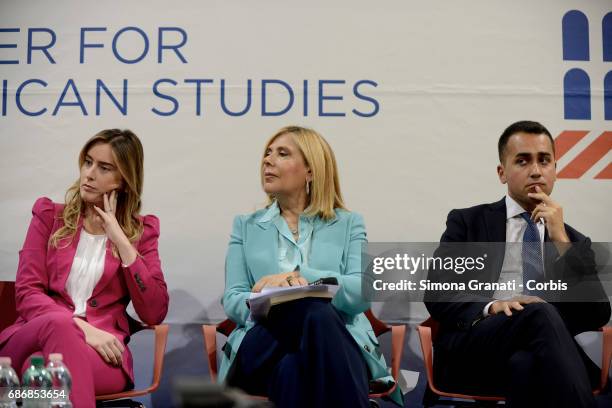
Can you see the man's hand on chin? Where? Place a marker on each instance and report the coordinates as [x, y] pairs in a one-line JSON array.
[[551, 213]]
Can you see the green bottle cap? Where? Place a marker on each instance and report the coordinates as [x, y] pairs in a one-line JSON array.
[[37, 361]]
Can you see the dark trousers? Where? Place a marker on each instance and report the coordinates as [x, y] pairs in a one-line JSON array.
[[302, 356], [530, 358]]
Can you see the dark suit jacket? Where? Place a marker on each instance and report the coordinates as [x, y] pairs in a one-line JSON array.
[[487, 223]]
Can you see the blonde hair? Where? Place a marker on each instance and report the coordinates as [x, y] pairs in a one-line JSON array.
[[325, 195], [128, 154]]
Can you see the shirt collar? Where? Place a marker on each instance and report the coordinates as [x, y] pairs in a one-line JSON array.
[[512, 208], [272, 212]]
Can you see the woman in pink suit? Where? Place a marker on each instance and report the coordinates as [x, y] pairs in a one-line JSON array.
[[82, 263]]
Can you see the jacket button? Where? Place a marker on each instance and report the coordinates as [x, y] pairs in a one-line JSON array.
[[460, 324], [93, 303], [366, 348]]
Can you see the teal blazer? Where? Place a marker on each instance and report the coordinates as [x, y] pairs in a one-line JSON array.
[[335, 252]]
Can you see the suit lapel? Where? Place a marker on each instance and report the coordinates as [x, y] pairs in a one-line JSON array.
[[262, 257], [65, 257], [495, 219], [495, 227], [550, 253], [320, 223], [111, 266], [324, 249]]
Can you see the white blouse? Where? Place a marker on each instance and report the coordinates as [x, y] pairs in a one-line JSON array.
[[86, 271]]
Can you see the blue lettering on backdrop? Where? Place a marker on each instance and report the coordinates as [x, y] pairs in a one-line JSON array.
[[18, 97], [122, 107], [132, 44], [248, 103], [175, 103], [78, 102], [365, 98], [175, 47], [277, 92], [4, 95], [82, 44], [5, 46], [198, 83], [322, 97], [264, 87], [145, 45], [43, 48]]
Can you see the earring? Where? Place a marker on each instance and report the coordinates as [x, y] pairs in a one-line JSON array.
[[307, 187]]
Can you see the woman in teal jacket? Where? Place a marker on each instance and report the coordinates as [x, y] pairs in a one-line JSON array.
[[308, 352]]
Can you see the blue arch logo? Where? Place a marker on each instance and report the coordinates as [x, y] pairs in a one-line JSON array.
[[576, 82], [577, 103]]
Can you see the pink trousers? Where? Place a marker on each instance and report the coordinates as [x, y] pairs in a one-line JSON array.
[[58, 333]]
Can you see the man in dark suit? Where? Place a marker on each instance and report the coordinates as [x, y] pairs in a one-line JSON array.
[[520, 345]]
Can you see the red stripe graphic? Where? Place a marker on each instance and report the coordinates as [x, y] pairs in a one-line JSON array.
[[605, 173], [588, 158], [568, 139]]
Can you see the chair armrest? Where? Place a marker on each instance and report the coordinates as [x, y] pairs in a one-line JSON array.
[[398, 336], [606, 355], [427, 350], [161, 339], [210, 346]]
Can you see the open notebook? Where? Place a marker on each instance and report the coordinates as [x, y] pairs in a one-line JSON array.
[[260, 303]]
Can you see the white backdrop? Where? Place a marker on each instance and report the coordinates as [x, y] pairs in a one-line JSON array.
[[450, 77]]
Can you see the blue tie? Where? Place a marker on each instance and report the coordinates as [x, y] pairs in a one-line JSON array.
[[533, 267]]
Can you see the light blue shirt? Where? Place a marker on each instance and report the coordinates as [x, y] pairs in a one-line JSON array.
[[291, 254]]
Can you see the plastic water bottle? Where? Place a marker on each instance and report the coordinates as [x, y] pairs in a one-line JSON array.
[[36, 384], [9, 384], [61, 381]]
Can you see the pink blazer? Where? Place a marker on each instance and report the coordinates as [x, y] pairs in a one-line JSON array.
[[40, 286]]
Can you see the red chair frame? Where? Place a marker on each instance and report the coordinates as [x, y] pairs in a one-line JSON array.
[[428, 331], [7, 304], [161, 339], [9, 316]]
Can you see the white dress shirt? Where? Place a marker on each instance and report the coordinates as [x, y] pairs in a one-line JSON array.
[[86, 270], [512, 268]]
